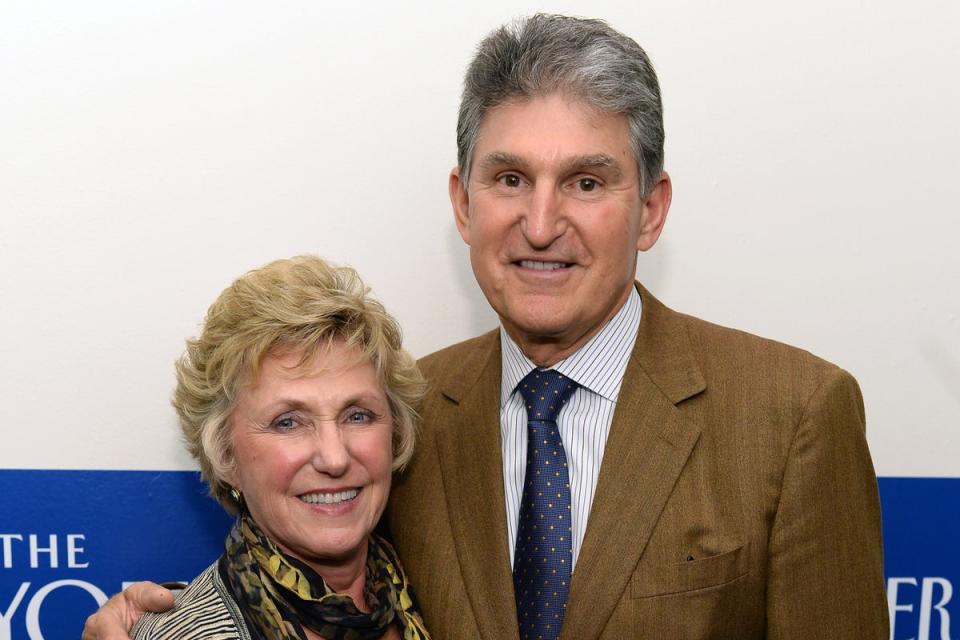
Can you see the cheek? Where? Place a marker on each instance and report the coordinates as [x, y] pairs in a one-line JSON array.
[[376, 455], [267, 465], [614, 248], [488, 229], [480, 244]]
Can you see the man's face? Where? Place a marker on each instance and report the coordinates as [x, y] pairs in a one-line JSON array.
[[554, 218]]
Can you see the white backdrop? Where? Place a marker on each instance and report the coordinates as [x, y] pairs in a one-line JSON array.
[[150, 152]]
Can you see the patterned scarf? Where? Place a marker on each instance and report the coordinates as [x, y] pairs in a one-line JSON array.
[[277, 593]]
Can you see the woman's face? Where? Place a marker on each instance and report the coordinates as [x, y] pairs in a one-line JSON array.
[[313, 449]]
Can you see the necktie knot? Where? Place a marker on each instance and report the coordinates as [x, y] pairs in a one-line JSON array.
[[544, 392]]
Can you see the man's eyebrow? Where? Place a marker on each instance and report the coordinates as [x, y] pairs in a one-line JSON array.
[[597, 161], [500, 158], [576, 163]]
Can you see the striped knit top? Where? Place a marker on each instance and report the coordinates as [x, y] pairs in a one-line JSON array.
[[204, 610]]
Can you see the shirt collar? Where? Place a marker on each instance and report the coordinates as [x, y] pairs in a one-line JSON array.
[[598, 365]]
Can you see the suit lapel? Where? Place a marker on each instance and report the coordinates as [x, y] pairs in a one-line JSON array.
[[470, 461], [649, 444]]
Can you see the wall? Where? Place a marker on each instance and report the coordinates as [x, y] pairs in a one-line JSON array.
[[151, 152]]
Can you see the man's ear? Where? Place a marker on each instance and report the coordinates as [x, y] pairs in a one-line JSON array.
[[460, 200], [653, 214]]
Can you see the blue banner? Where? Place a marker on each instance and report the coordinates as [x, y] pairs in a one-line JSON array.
[[69, 539], [921, 540]]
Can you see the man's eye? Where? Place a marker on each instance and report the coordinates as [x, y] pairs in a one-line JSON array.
[[511, 180], [587, 184]]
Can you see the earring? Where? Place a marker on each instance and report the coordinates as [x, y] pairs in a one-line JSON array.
[[236, 495]]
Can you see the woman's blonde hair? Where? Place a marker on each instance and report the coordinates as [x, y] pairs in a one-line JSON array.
[[301, 304]]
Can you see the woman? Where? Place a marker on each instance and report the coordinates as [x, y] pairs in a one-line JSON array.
[[297, 401]]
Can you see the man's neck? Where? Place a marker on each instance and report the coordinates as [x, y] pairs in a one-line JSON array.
[[545, 352]]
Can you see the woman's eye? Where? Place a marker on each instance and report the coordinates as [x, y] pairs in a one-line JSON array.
[[284, 423], [359, 417], [511, 180]]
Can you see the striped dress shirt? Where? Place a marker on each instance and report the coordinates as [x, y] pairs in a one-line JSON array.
[[598, 367]]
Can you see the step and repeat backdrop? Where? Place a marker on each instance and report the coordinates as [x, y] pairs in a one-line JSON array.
[[152, 152]]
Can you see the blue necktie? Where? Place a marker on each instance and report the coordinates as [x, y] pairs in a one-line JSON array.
[[544, 552]]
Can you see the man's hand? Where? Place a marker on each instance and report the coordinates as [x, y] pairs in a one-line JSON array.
[[115, 619]]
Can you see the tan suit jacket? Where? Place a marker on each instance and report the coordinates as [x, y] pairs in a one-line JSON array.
[[736, 497]]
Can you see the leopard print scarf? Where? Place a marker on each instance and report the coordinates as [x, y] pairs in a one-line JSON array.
[[278, 593]]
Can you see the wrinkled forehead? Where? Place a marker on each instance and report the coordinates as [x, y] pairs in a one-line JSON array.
[[575, 110], [556, 129], [293, 361]]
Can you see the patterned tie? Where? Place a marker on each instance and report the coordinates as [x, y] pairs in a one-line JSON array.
[[544, 553]]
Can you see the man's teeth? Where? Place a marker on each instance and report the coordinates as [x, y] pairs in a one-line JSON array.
[[542, 266], [329, 498]]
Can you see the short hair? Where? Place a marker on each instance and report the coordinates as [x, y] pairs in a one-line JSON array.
[[586, 59], [301, 304]]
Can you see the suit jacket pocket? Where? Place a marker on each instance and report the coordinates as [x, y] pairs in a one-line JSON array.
[[690, 575]]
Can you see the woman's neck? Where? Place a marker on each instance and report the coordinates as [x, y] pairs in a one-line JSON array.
[[348, 576], [350, 580]]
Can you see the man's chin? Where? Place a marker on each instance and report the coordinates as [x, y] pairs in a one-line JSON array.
[[534, 321], [537, 331]]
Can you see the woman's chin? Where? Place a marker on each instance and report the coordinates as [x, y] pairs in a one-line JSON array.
[[329, 547]]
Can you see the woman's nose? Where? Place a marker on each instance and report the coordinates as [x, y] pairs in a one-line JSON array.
[[331, 455]]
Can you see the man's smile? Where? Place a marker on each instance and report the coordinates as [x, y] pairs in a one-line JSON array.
[[543, 265]]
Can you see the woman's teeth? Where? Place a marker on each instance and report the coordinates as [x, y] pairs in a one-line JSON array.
[[329, 498]]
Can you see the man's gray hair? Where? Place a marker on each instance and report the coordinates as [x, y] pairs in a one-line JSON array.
[[587, 59]]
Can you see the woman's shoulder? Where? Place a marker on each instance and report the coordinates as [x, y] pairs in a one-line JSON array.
[[203, 611]]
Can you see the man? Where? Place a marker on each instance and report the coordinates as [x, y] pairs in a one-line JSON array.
[[705, 483]]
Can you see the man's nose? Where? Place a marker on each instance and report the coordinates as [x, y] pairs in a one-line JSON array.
[[331, 455], [544, 219]]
